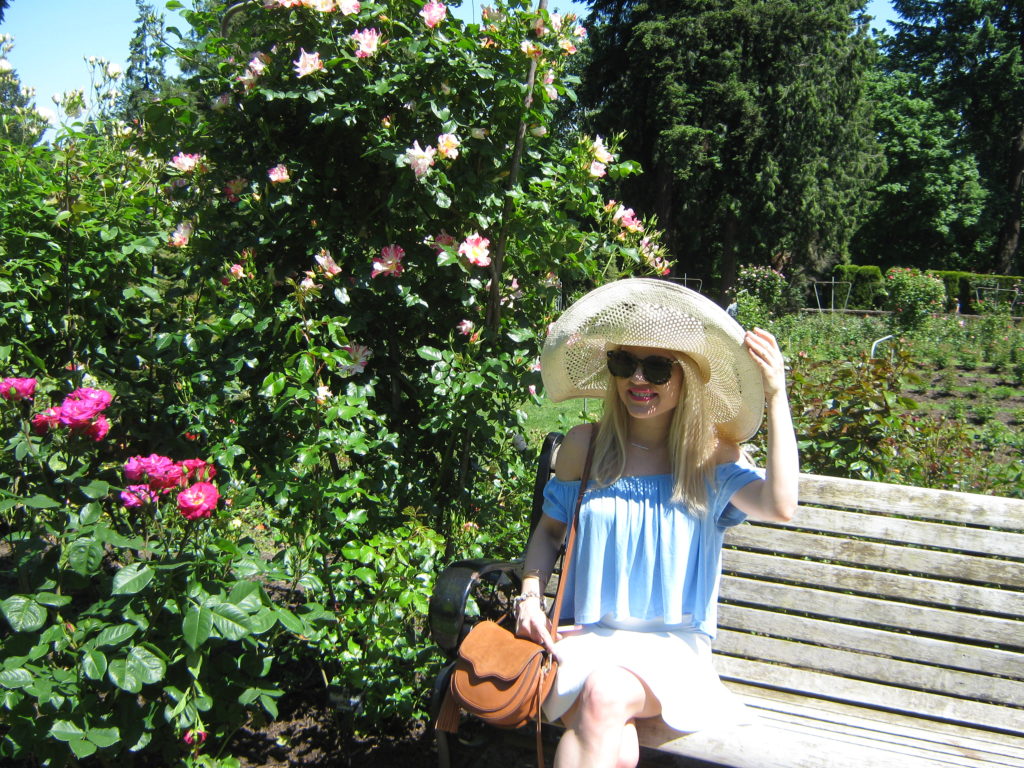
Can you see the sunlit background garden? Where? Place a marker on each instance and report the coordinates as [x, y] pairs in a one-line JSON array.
[[273, 297]]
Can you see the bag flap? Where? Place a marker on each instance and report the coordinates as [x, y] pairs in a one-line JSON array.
[[493, 651]]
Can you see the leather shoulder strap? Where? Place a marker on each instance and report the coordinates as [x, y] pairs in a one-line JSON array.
[[556, 609]]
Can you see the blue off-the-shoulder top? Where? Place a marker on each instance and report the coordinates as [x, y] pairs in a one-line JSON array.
[[641, 556]]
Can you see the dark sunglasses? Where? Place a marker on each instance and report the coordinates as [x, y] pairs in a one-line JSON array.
[[656, 368]]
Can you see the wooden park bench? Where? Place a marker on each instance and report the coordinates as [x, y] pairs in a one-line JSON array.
[[883, 626]]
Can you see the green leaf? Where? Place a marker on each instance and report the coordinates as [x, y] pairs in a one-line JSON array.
[[197, 625], [132, 579], [116, 635], [273, 385], [103, 737], [97, 489], [94, 664], [23, 613], [82, 747], [39, 501], [290, 621], [65, 730], [85, 556], [246, 595], [16, 678], [145, 665], [123, 676], [231, 622], [429, 353]]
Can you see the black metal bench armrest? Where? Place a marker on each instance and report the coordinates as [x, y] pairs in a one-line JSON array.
[[455, 585]]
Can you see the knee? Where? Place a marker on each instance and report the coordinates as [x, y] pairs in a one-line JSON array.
[[611, 695]]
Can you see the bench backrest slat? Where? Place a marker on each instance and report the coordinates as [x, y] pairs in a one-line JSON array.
[[871, 611], [884, 643], [882, 596], [927, 503], [882, 697]]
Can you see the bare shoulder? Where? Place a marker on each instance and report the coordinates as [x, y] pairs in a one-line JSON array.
[[572, 454], [726, 452]]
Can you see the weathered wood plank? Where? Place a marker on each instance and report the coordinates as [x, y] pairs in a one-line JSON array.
[[968, 627], [959, 538], [957, 737], [873, 583], [870, 554], [906, 647], [864, 666], [887, 499], [868, 694]]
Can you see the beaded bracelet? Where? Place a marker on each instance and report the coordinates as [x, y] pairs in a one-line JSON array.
[[517, 601]]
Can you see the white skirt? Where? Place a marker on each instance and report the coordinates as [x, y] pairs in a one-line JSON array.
[[675, 663]]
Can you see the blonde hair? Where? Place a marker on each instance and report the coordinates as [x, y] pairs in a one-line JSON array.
[[692, 439]]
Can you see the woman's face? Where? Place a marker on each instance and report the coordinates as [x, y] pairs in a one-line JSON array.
[[644, 400]]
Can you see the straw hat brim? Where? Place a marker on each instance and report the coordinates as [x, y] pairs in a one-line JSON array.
[[655, 313]]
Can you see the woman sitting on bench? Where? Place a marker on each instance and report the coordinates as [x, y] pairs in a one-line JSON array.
[[683, 386]]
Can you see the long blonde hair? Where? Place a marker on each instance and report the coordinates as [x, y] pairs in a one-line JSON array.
[[692, 439]]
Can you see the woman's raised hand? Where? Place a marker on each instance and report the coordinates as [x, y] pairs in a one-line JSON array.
[[765, 352]]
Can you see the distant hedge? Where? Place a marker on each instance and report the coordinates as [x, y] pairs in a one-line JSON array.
[[867, 287]]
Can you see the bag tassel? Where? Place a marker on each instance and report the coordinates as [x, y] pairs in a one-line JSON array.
[[449, 716]]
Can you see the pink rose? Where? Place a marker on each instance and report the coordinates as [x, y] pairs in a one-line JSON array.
[[137, 495], [194, 737], [198, 501], [367, 40], [186, 163], [433, 13], [98, 429], [278, 174], [45, 421], [389, 262], [17, 389], [197, 469], [100, 396], [307, 63], [79, 414], [465, 327], [476, 250], [160, 472]]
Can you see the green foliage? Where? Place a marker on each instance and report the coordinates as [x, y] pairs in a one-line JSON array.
[[20, 122], [126, 626], [968, 55], [912, 296], [765, 284], [927, 206], [867, 288], [750, 119]]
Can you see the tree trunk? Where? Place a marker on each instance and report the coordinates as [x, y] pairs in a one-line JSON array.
[[1008, 250]]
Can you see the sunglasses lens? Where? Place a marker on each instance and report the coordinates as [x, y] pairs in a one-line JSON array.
[[621, 364], [656, 369]]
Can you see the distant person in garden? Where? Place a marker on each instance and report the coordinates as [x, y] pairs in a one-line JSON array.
[[683, 386]]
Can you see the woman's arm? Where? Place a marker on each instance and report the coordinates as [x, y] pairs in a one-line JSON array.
[[775, 497], [545, 542]]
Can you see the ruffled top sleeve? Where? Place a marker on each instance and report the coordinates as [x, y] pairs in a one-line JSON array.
[[640, 555]]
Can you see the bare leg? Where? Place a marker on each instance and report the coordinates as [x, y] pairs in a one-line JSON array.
[[599, 730]]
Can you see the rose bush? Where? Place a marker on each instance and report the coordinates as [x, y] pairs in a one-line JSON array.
[[324, 267]]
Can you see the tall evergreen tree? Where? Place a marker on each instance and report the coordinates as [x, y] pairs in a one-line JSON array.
[[749, 117], [926, 208], [145, 77], [970, 55]]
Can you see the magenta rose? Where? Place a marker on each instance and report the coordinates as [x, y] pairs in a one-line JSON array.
[[17, 389], [44, 421], [160, 472], [98, 429], [79, 414], [198, 500], [197, 469], [137, 495], [100, 396]]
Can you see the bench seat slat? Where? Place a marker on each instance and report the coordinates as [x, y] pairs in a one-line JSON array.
[[959, 738], [872, 583], [869, 694], [964, 626], [908, 647], [887, 499], [870, 554], [865, 666], [945, 536]]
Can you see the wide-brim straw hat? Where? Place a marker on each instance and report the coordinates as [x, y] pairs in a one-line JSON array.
[[645, 312]]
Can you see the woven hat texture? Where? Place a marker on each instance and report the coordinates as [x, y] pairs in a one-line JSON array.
[[655, 313]]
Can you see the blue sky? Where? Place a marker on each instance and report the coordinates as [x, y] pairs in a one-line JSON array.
[[54, 37]]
